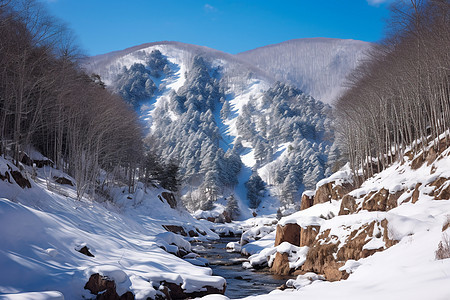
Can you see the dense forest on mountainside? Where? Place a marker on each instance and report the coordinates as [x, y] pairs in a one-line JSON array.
[[400, 97], [49, 103]]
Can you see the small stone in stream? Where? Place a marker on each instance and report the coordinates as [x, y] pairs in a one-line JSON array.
[[239, 278]]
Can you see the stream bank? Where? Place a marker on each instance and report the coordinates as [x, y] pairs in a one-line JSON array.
[[240, 282]]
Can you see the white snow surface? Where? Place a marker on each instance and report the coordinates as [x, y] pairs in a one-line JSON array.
[[408, 269], [41, 229]]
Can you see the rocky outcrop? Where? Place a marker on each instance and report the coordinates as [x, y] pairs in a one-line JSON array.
[[381, 200], [280, 264], [288, 233], [328, 253], [348, 205], [308, 235], [442, 188], [105, 288], [307, 201], [20, 180], [331, 191], [175, 229], [170, 199], [175, 291]]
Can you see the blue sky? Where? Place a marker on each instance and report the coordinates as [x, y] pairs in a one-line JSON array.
[[227, 25]]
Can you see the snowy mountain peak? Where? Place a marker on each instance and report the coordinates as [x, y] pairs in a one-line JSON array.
[[317, 66]]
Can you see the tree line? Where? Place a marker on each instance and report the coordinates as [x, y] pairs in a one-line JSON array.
[[48, 102], [399, 98]]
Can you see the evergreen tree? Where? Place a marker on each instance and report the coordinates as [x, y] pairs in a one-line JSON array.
[[255, 190]]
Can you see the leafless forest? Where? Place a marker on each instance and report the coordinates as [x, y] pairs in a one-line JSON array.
[[400, 97]]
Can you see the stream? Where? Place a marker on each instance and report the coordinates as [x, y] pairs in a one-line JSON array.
[[240, 282]]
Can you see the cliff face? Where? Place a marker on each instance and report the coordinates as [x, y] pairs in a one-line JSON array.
[[396, 204]]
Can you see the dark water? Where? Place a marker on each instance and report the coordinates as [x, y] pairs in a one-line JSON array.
[[240, 282]]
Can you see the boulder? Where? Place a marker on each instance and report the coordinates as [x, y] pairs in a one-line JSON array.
[[63, 180], [170, 199], [348, 205], [331, 191], [381, 200], [280, 264], [307, 201], [5, 177], [175, 229], [416, 193], [442, 191], [308, 235], [20, 180], [175, 291], [288, 233], [105, 289], [85, 250]]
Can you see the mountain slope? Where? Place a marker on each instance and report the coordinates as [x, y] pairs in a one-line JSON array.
[[317, 66], [221, 120]]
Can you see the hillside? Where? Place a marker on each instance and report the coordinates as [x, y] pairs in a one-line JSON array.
[[224, 122], [390, 236], [44, 228], [317, 66]]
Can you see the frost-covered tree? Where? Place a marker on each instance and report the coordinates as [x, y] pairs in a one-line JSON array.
[[255, 190], [232, 207]]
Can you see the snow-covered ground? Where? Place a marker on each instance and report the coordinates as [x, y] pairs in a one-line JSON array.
[[42, 227], [408, 269]]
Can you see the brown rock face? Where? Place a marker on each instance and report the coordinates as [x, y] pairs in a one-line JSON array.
[[289, 233], [20, 180], [306, 202], [348, 205], [381, 200], [331, 191], [442, 191], [308, 235], [170, 198], [281, 264], [416, 193]]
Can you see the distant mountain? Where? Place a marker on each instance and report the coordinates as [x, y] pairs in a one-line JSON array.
[[231, 128], [317, 66]]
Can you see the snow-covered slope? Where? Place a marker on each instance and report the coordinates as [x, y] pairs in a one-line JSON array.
[[42, 227], [401, 250], [318, 66], [221, 119]]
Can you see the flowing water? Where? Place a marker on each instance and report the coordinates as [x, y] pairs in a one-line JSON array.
[[240, 282]]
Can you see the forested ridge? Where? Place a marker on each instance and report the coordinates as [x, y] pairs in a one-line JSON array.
[[49, 103], [399, 98]]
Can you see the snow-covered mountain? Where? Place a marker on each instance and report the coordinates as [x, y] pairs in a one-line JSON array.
[[225, 122], [317, 66]]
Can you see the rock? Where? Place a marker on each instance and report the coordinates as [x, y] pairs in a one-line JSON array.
[[280, 264], [105, 289], [175, 291], [20, 180], [289, 233], [330, 191], [63, 180], [381, 200], [211, 219], [170, 199], [308, 235], [306, 202], [442, 191], [175, 229], [348, 205], [5, 177], [85, 251], [193, 233], [332, 273], [416, 193]]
